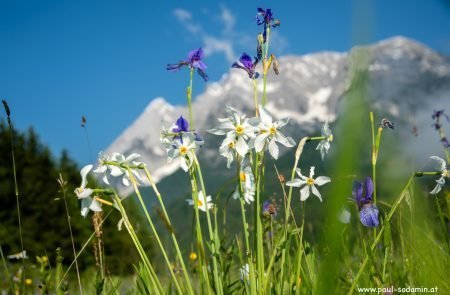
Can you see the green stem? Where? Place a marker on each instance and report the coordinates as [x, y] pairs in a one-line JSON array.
[[258, 234], [246, 234], [147, 264], [172, 233], [265, 70], [200, 246], [63, 189], [152, 226], [189, 98], [7, 273], [215, 242], [255, 97], [374, 159], [298, 153], [299, 263], [380, 234]]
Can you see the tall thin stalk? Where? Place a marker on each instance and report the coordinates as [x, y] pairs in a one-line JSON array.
[[16, 187], [215, 242], [62, 184], [174, 238], [152, 226]]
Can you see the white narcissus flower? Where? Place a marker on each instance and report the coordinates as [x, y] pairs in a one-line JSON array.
[[110, 164], [126, 161], [228, 149], [324, 145], [238, 129], [84, 194], [441, 165], [247, 180], [203, 204], [270, 134], [183, 149], [309, 182]]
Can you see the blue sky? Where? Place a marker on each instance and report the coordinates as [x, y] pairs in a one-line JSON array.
[[106, 60]]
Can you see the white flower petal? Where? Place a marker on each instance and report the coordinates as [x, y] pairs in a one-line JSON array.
[[84, 172], [321, 180], [260, 141], [125, 181], [266, 118], [311, 171], [436, 189], [84, 193], [236, 193], [116, 171], [304, 193], [241, 147], [184, 164], [95, 206], [441, 164], [105, 179], [286, 141], [273, 149], [316, 192], [295, 182], [132, 157]]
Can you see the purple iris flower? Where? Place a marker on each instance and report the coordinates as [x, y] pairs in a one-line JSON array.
[[194, 61], [181, 126], [265, 17], [269, 208], [362, 195], [439, 113], [245, 63]]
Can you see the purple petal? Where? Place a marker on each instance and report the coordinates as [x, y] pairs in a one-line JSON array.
[[369, 216], [195, 55], [357, 192], [237, 66], [199, 65], [369, 189], [182, 125], [202, 74], [176, 67], [246, 60]]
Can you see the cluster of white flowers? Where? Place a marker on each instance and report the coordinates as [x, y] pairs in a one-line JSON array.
[[180, 143], [114, 165], [243, 134]]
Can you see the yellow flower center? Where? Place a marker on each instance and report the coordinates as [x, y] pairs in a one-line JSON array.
[[231, 145], [272, 130], [193, 256], [242, 176], [28, 281], [239, 129], [310, 181], [330, 138], [199, 203], [183, 150], [446, 173]]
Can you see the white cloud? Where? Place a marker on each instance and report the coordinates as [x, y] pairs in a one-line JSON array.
[[213, 45], [228, 20], [185, 18], [182, 15]]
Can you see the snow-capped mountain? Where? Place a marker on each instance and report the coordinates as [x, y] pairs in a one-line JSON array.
[[407, 80]]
